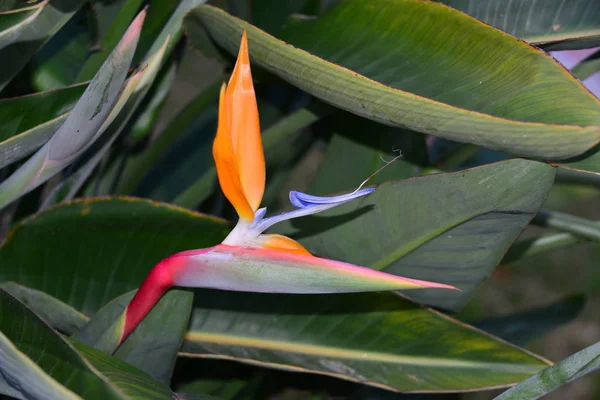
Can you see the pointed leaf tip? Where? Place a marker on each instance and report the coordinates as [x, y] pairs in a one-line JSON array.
[[134, 29]]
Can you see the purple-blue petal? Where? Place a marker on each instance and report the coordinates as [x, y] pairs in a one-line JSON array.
[[303, 200], [307, 205]]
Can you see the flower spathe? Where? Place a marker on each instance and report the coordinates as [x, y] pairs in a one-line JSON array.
[[248, 259]]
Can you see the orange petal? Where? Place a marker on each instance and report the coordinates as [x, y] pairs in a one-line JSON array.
[[245, 128], [227, 166], [282, 243]]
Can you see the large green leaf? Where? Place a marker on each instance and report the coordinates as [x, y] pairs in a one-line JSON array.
[[106, 247], [451, 228], [153, 345], [81, 127], [20, 42], [133, 383], [58, 315], [29, 121], [561, 373], [102, 248], [457, 82], [552, 24], [40, 364], [378, 339]]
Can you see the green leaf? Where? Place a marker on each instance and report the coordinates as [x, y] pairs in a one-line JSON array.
[[58, 315], [561, 373], [135, 384], [130, 98], [377, 339], [59, 370], [22, 41], [116, 120], [524, 327], [456, 83], [80, 128], [121, 238], [449, 228], [154, 344], [551, 24], [29, 121]]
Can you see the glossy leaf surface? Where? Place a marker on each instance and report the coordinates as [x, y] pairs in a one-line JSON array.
[[378, 339], [42, 365], [154, 344], [449, 228], [55, 313], [455, 83], [106, 229]]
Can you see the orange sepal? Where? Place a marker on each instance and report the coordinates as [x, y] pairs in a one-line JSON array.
[[242, 112], [283, 243], [226, 163]]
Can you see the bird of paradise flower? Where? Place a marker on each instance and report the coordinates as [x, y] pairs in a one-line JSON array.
[[248, 259]]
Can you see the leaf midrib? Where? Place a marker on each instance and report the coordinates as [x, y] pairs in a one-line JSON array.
[[360, 355]]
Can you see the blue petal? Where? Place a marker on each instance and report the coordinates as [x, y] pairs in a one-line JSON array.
[[308, 205], [303, 200]]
